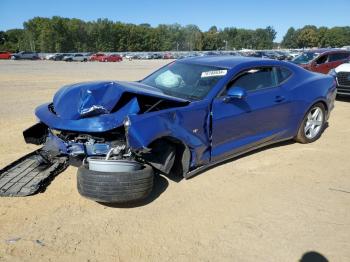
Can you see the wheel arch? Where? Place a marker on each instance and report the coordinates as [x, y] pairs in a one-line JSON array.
[[169, 154]]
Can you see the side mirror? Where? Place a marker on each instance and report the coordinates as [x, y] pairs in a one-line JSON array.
[[235, 92]]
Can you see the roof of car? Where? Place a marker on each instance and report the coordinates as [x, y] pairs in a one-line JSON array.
[[326, 50], [222, 61]]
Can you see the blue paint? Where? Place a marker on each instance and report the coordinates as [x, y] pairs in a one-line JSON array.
[[101, 123], [212, 128]]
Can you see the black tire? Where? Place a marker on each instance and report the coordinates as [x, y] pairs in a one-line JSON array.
[[112, 187], [301, 135]]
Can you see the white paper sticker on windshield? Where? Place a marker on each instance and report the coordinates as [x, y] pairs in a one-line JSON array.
[[214, 73]]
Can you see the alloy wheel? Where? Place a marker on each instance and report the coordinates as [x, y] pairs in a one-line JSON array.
[[314, 122]]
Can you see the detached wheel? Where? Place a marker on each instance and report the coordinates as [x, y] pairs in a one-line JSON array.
[[312, 125], [115, 187]]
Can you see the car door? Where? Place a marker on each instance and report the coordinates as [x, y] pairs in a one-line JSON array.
[[321, 64], [78, 57], [262, 116], [24, 55], [336, 59]]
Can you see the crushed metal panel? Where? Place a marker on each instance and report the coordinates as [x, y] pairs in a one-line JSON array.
[[190, 127], [29, 174]]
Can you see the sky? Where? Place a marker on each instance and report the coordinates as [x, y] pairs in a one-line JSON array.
[[249, 14]]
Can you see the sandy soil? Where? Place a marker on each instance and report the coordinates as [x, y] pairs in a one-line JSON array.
[[272, 205]]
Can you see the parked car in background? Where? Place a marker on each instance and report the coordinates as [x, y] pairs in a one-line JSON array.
[[264, 54], [101, 57], [233, 53], [294, 53], [76, 57], [322, 60], [283, 55], [58, 56], [96, 57], [5, 55], [342, 76], [49, 56], [25, 55], [168, 56], [131, 56], [112, 58], [157, 56]]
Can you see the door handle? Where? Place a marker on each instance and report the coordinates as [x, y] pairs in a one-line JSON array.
[[279, 99]]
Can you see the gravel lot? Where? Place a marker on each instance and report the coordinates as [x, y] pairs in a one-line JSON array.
[[272, 205]]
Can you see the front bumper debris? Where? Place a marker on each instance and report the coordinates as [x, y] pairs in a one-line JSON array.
[[30, 174]]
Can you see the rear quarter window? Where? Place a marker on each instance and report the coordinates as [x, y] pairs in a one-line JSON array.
[[283, 74]]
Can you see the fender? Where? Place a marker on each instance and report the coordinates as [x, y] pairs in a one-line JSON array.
[[189, 125]]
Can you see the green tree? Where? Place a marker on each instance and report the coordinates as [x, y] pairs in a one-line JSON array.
[[3, 37], [289, 40], [307, 37], [58, 34]]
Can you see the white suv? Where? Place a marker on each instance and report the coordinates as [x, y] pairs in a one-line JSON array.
[[76, 57], [342, 76]]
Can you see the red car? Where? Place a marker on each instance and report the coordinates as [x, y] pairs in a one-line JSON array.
[[322, 60], [5, 55], [168, 56], [106, 58]]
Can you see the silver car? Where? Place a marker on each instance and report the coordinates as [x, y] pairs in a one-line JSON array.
[[76, 57], [25, 55]]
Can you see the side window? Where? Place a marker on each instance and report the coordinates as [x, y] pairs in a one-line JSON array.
[[338, 56], [322, 59], [257, 78], [283, 74]]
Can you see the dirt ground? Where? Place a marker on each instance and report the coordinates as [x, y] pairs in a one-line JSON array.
[[272, 205]]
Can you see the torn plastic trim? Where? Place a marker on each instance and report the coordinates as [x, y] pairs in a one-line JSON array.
[[30, 174], [36, 134]]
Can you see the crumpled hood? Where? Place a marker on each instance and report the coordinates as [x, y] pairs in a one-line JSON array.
[[89, 99], [89, 107]]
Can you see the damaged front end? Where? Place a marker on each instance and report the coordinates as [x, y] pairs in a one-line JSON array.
[[75, 145], [118, 121], [93, 119]]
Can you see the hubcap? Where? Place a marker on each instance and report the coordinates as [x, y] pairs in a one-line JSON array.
[[314, 123]]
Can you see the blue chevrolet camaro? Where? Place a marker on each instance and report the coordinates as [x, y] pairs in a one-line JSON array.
[[186, 116]]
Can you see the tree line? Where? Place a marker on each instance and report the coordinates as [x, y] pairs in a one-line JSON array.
[[312, 36], [58, 34]]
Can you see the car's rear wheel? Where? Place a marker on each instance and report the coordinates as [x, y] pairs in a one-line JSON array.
[[115, 187], [312, 125]]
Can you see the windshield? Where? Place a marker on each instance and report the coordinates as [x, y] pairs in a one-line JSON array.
[[188, 81], [305, 58]]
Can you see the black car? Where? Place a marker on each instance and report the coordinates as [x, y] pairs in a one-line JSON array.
[[58, 57]]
